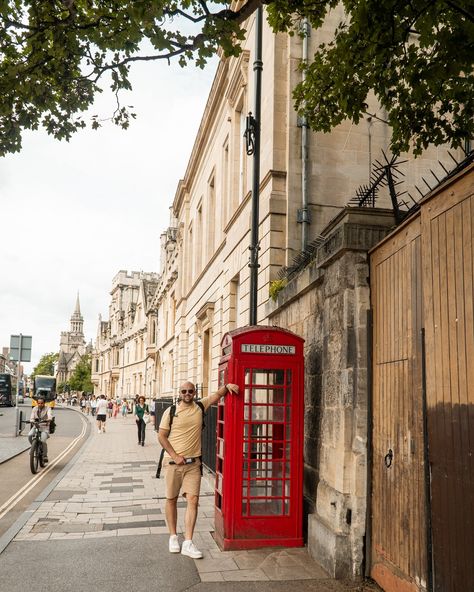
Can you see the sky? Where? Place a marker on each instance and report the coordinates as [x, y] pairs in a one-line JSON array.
[[74, 214]]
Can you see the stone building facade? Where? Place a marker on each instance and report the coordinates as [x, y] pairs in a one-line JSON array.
[[72, 346], [120, 365], [202, 291]]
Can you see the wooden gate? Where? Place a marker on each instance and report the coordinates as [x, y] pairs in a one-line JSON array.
[[398, 538], [422, 515]]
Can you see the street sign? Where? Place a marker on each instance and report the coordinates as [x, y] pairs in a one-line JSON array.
[[23, 343]]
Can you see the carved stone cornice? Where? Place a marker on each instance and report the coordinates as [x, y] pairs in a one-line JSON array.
[[239, 78], [205, 317]]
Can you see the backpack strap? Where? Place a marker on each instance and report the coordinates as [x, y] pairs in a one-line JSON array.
[[162, 453], [171, 418]]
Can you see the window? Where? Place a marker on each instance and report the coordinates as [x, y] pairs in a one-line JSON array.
[[225, 205], [242, 155], [211, 219], [234, 302]]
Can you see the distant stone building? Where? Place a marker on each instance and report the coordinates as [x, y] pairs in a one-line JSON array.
[[72, 346], [121, 364]]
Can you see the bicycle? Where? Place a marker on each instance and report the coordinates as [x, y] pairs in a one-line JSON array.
[[36, 450]]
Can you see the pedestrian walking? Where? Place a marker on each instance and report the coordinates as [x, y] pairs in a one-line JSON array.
[[88, 406], [115, 408], [83, 404], [124, 408], [182, 461], [94, 406], [101, 411], [110, 408], [141, 410]]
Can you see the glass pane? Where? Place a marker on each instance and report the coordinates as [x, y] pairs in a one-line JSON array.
[[218, 501], [268, 413], [265, 507], [288, 377], [220, 448], [244, 507], [265, 488], [288, 395], [219, 482], [221, 377], [246, 412], [267, 377], [265, 470], [262, 396], [286, 507], [287, 488]]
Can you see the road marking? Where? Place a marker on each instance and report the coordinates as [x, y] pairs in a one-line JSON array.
[[20, 494]]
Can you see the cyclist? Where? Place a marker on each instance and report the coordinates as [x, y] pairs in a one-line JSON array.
[[44, 416]]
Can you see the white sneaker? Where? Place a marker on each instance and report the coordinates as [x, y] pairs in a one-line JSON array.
[[174, 546], [190, 549], [98, 431]]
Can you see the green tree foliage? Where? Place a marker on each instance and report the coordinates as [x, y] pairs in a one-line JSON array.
[[81, 377], [416, 56], [46, 365]]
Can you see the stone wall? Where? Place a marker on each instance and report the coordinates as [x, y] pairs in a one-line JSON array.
[[327, 304]]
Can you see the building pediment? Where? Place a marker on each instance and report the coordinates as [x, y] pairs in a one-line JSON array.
[[205, 317]]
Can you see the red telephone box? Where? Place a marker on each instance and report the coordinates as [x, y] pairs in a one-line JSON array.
[[259, 465]]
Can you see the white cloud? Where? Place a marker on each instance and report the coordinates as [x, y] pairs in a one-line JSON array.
[[73, 214]]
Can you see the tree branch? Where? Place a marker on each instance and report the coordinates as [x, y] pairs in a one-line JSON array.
[[461, 10]]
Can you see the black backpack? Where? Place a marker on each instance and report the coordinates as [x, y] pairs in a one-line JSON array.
[[52, 425], [172, 415]]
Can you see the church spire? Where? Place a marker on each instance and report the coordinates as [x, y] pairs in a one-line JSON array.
[[77, 320], [77, 310]]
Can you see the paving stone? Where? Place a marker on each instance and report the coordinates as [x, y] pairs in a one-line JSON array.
[[245, 575]]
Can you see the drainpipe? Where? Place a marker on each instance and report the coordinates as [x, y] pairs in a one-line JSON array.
[[304, 217], [252, 135]]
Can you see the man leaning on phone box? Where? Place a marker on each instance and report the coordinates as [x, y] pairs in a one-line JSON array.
[[182, 461]]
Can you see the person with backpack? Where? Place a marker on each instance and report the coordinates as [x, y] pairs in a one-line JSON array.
[[180, 437]]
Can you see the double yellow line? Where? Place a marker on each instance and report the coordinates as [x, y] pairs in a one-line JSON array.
[[20, 494]]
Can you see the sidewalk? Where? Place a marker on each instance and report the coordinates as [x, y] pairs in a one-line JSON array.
[[10, 447], [103, 525]]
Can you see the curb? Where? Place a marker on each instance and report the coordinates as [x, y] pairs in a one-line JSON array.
[[15, 528]]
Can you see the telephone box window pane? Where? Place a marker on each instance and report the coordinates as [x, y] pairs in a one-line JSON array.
[[268, 413], [247, 396], [221, 378], [244, 507], [266, 470], [265, 396], [219, 483], [288, 377], [266, 377], [286, 507], [287, 488], [265, 507], [220, 448], [263, 488]]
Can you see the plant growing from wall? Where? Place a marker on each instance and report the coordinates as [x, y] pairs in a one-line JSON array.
[[276, 286]]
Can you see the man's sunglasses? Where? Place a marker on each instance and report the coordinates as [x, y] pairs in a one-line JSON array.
[[187, 391]]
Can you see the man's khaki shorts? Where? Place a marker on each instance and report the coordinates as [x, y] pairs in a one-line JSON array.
[[184, 478]]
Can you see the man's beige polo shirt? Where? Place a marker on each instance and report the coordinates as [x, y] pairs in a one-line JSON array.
[[185, 434]]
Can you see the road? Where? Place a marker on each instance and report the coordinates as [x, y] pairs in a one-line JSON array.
[[18, 487]]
